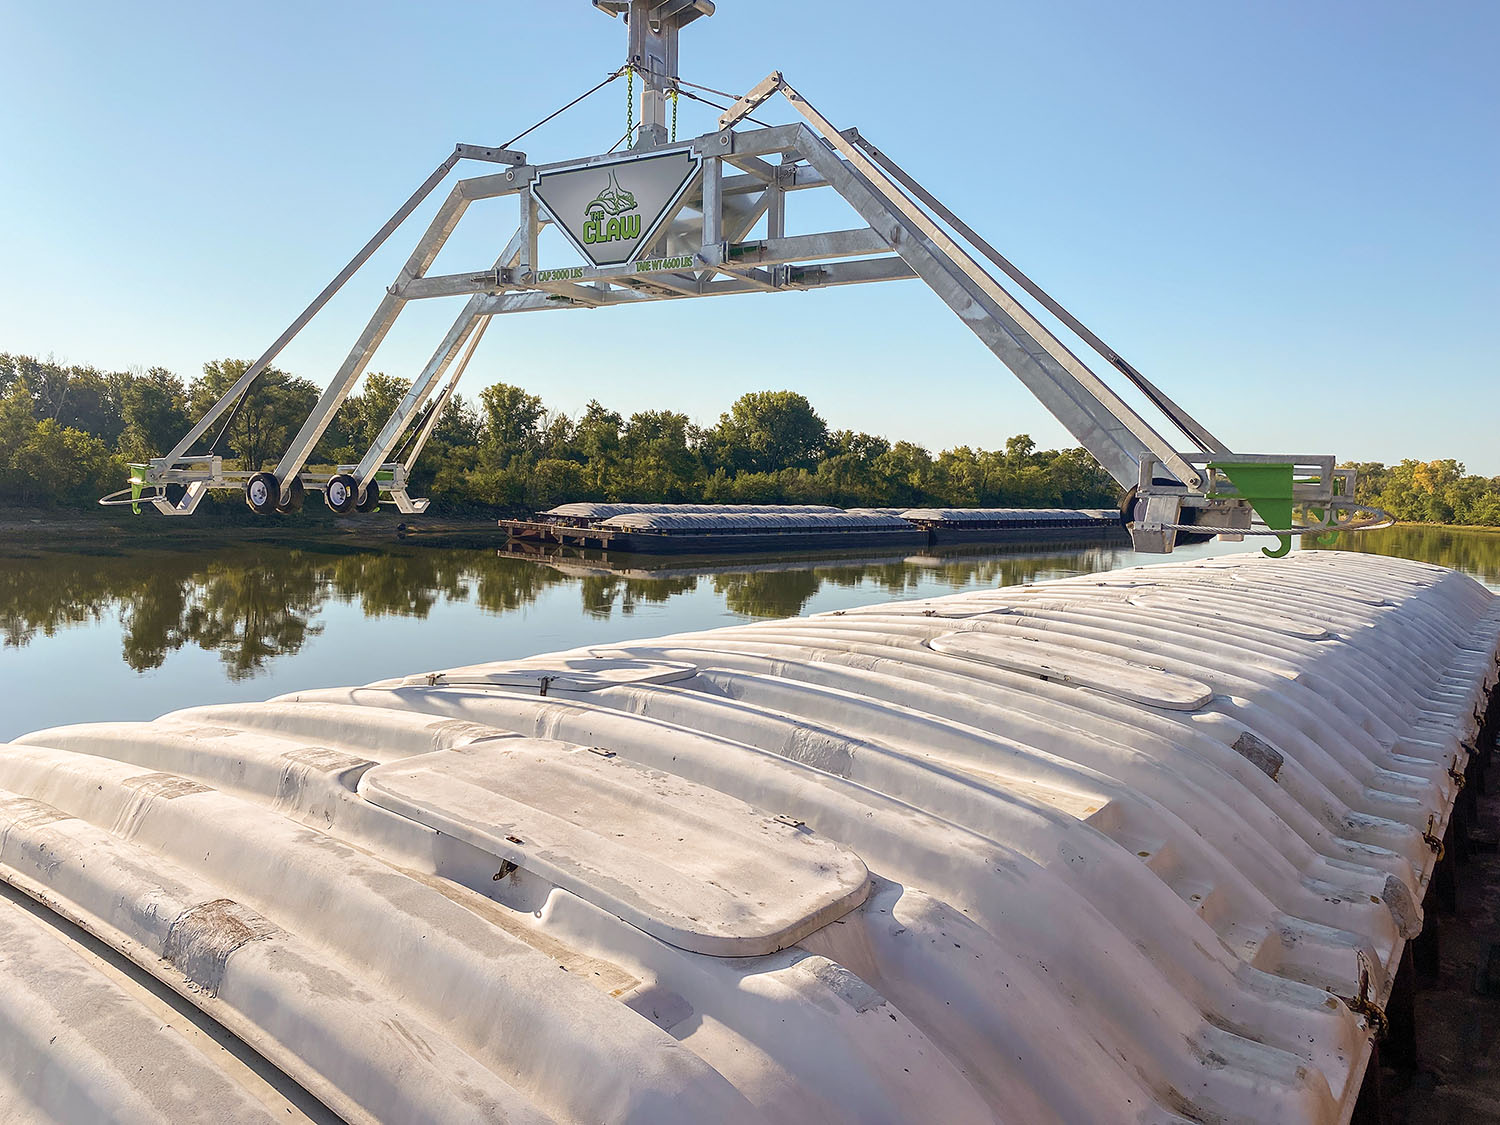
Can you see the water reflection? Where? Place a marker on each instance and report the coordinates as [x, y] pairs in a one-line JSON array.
[[776, 587], [249, 604], [1473, 552]]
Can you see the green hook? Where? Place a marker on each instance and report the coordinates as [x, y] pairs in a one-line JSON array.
[[1281, 551], [1326, 538]]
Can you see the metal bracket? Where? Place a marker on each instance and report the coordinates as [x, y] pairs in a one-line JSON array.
[[493, 155]]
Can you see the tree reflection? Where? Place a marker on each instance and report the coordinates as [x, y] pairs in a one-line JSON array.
[[46, 596], [602, 593], [1473, 552], [777, 593], [506, 585], [154, 619], [248, 604], [400, 585], [250, 614], [252, 603]]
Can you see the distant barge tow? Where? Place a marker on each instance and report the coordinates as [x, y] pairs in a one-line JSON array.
[[662, 529]]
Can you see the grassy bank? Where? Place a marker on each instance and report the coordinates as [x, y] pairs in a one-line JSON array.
[[27, 533], [1486, 529]]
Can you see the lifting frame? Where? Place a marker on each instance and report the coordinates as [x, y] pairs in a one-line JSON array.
[[673, 221]]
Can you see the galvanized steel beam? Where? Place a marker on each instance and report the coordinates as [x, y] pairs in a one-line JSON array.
[[1095, 415]]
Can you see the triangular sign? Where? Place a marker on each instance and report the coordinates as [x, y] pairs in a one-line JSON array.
[[612, 209]]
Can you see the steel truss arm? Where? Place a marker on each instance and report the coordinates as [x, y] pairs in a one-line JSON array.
[[255, 370], [375, 331], [1179, 417], [422, 387], [1114, 433], [435, 413]]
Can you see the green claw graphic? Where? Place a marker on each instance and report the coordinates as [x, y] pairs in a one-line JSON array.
[[613, 200]]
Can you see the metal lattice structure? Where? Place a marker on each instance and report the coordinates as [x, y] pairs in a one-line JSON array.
[[672, 220]]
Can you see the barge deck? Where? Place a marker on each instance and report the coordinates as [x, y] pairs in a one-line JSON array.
[[1150, 845]]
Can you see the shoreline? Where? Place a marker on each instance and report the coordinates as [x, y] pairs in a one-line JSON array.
[[27, 533]]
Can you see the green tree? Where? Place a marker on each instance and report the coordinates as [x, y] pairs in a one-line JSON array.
[[17, 424], [365, 414], [904, 473], [272, 412], [554, 481], [70, 466], [155, 414], [511, 418], [658, 465], [596, 438], [769, 430]]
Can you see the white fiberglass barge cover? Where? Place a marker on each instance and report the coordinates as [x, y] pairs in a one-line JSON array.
[[1005, 515], [1115, 848], [598, 512]]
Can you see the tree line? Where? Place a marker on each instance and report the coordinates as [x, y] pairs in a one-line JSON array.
[[1430, 492], [67, 433]]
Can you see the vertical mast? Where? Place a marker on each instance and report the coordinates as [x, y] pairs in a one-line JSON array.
[[653, 27]]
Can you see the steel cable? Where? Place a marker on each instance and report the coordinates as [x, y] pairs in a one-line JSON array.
[[240, 402], [567, 107], [720, 108]]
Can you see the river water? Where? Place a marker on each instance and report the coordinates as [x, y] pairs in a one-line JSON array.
[[130, 635]]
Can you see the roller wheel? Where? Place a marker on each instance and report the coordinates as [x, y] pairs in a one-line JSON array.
[[295, 495], [263, 493], [342, 494], [369, 500]]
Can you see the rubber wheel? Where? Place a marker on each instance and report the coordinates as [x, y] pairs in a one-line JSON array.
[[263, 493], [370, 499], [296, 493], [341, 493]]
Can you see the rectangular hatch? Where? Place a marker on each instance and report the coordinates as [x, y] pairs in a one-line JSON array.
[[1016, 652], [561, 674], [698, 869]]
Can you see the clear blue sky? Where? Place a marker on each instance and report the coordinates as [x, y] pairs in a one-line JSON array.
[[1283, 211]]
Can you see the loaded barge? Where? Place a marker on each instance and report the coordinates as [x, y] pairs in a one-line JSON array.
[[1151, 845], [708, 529]]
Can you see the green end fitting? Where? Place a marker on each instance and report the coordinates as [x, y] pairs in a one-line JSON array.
[[137, 486], [1268, 489]]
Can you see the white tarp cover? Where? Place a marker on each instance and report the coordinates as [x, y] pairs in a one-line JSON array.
[[1131, 840], [588, 510], [1005, 515]]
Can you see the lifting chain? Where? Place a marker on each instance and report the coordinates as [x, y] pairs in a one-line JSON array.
[[629, 101], [674, 116]]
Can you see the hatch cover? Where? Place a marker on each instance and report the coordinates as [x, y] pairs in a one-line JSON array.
[[687, 864], [584, 673], [1045, 660], [1257, 618]]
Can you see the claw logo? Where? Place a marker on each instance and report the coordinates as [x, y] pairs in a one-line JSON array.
[[607, 218]]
